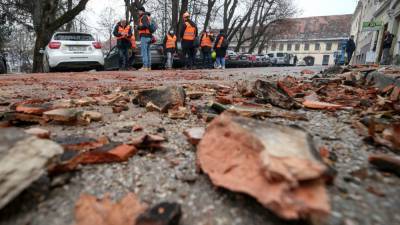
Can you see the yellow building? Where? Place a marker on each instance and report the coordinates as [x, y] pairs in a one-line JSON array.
[[371, 19], [317, 40]]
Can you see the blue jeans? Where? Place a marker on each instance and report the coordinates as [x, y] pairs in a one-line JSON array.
[[145, 50], [221, 61]]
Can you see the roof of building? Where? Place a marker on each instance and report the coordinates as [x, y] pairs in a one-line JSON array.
[[321, 27]]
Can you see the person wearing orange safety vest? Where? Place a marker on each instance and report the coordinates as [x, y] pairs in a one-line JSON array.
[[220, 49], [188, 34], [206, 44], [123, 33], [145, 37], [170, 47]]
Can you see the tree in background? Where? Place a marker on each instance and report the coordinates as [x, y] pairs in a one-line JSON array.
[[44, 17], [107, 23]]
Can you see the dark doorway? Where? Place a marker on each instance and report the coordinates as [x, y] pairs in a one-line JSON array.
[[309, 60]]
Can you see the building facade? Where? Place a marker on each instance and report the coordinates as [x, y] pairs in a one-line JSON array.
[[317, 40], [370, 20]]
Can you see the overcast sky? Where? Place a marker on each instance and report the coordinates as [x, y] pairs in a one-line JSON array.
[[307, 7], [326, 7]]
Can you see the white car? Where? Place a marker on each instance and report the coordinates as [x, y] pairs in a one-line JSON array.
[[231, 53], [68, 50]]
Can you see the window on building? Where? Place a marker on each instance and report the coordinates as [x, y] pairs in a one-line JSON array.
[[317, 46], [280, 47], [289, 47], [306, 46], [328, 46], [273, 47], [243, 49], [297, 47]]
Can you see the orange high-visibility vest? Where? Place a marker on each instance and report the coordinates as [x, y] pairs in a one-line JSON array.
[[190, 32], [206, 41], [145, 31], [171, 41], [219, 44], [124, 32]]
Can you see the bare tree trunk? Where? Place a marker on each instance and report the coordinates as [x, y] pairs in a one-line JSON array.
[[210, 7], [70, 24], [175, 16]]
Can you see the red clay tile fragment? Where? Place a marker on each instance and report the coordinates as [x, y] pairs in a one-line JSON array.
[[277, 165], [148, 141], [92, 211], [321, 105]]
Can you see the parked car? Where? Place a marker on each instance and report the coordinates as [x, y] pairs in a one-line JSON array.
[[272, 58], [263, 60], [3, 65], [68, 50], [301, 63], [156, 51]]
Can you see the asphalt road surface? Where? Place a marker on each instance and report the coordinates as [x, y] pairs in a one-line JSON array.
[[170, 174]]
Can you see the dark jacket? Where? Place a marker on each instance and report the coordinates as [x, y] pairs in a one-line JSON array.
[[145, 25], [350, 46], [125, 42], [165, 45], [221, 52], [387, 42], [184, 28]]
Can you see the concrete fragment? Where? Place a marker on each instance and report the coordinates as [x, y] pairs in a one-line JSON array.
[[23, 160], [61, 115], [163, 98], [277, 165], [194, 135]]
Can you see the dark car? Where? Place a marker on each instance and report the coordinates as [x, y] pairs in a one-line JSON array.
[[3, 65], [111, 61]]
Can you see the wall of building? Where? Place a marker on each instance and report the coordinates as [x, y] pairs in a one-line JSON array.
[[313, 51], [387, 11]]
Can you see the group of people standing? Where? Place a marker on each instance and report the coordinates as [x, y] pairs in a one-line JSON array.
[[190, 42]]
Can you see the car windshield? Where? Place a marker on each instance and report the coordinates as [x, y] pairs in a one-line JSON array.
[[73, 37], [280, 55], [271, 55]]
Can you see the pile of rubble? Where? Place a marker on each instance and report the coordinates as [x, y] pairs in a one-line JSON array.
[[240, 150]]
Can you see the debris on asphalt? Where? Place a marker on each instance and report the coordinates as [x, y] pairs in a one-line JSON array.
[[78, 143], [110, 153], [180, 113], [277, 165], [386, 163], [89, 210], [148, 141], [194, 135], [164, 213], [23, 160], [38, 132], [161, 99], [266, 92]]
